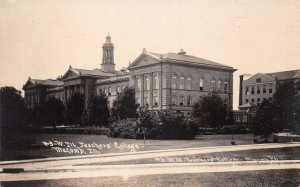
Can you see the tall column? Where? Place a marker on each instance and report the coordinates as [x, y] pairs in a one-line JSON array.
[[65, 95], [132, 82], [160, 100], [230, 101], [142, 90], [151, 90], [68, 93], [80, 89]]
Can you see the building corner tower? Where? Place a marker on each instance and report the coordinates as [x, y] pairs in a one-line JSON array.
[[108, 64]]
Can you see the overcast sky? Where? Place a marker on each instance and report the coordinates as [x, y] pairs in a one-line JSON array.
[[41, 38]]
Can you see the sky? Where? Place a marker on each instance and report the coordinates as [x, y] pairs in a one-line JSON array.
[[41, 38]]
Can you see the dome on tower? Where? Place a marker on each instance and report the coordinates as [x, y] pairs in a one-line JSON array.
[[108, 39]]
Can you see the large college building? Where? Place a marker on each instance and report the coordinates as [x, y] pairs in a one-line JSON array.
[[161, 81]]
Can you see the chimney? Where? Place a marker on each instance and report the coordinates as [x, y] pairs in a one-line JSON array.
[[182, 52], [241, 90]]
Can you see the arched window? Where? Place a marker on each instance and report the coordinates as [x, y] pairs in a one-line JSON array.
[[104, 91], [181, 82], [181, 100], [174, 77], [122, 88], [226, 88], [219, 85], [174, 100], [189, 101], [146, 98], [189, 83], [201, 84], [146, 82], [155, 97], [213, 85], [138, 83], [118, 90], [155, 81], [138, 99], [109, 90]]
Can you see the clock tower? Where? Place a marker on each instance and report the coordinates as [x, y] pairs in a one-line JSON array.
[[108, 56]]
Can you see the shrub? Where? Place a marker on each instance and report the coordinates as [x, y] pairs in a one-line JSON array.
[[210, 111], [156, 124], [174, 126], [127, 128]]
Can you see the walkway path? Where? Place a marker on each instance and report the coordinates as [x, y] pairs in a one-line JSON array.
[[86, 166]]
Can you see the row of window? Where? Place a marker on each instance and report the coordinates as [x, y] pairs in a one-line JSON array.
[[155, 82], [107, 91], [258, 100], [258, 90], [147, 98], [181, 101], [241, 118], [179, 83]]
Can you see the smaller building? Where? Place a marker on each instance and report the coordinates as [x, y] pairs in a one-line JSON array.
[[37, 91], [262, 86], [245, 114], [257, 88]]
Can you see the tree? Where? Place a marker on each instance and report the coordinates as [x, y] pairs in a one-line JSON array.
[[267, 119], [146, 119], [34, 116], [12, 110], [53, 111], [98, 112], [210, 111], [12, 118], [282, 112], [74, 109], [287, 98], [229, 118], [124, 106]]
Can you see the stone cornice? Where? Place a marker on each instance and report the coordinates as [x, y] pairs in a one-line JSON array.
[[113, 79], [185, 63]]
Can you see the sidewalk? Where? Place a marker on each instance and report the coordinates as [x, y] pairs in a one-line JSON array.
[[102, 158]]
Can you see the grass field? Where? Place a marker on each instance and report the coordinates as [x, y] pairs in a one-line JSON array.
[[31, 146]]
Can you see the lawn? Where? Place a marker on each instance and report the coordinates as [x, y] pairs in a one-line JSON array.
[[57, 145]]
